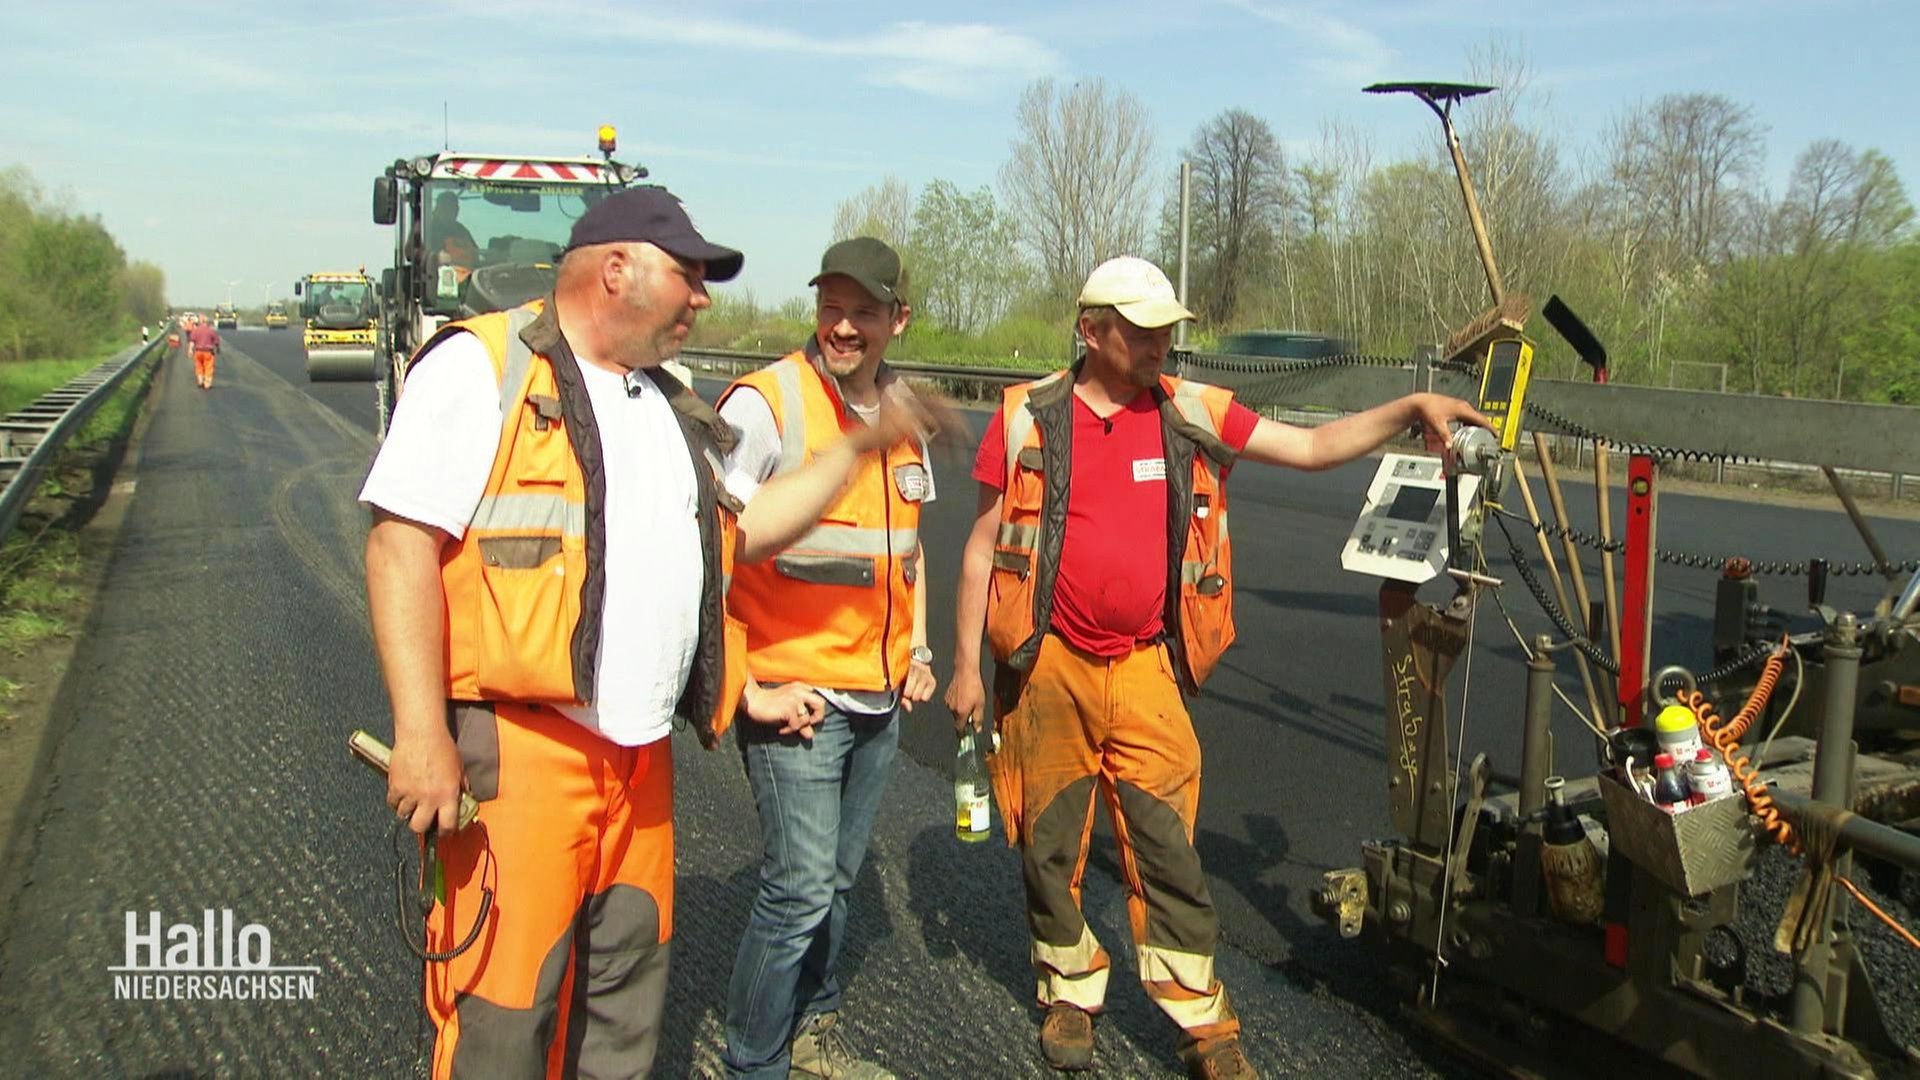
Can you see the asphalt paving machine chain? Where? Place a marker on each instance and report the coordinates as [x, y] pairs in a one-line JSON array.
[[1764, 568]]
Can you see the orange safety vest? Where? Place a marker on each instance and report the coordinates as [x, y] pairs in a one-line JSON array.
[[525, 584], [835, 609], [1036, 419]]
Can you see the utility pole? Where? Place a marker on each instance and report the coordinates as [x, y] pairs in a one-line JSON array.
[[230, 285], [1186, 222]]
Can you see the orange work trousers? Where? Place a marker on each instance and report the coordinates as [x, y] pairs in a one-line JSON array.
[[1080, 724], [568, 976], [203, 365]]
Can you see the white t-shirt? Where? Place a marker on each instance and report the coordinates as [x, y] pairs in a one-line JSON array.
[[433, 469], [755, 457]]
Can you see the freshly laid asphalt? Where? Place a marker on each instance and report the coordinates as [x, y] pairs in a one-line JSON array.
[[200, 765]]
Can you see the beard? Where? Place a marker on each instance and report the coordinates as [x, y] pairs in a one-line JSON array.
[[654, 335], [1145, 373], [842, 363]]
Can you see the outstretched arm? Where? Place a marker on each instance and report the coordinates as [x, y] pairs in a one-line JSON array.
[[784, 507], [1276, 443]]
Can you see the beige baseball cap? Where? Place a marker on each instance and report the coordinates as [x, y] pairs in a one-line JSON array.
[[1137, 289]]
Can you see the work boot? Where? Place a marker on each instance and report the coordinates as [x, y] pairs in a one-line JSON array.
[[820, 1050], [1066, 1038], [1221, 1061]]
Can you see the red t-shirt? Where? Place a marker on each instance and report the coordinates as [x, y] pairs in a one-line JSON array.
[[1112, 585], [204, 336]]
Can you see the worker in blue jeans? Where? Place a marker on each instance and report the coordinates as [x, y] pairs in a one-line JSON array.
[[817, 803], [843, 612]]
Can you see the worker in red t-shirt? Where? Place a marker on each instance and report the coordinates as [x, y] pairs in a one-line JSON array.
[[204, 340], [1099, 628]]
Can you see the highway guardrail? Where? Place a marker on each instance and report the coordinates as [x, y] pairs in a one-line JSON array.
[[30, 436]]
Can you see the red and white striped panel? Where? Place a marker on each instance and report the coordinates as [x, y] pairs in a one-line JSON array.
[[578, 172]]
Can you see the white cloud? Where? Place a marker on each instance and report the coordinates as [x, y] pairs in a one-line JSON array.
[[1338, 52], [950, 60]]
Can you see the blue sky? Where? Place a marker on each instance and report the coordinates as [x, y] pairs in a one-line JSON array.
[[238, 142]]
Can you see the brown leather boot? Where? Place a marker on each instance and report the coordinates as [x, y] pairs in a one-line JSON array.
[[1221, 1061], [1066, 1038]]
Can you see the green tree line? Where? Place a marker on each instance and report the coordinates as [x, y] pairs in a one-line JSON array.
[[65, 284], [1661, 231]]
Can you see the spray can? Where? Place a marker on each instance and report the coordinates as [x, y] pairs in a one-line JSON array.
[[972, 791], [1678, 731], [1708, 777], [1669, 783], [1569, 861]]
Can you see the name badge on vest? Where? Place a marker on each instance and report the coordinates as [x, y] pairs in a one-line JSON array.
[[1145, 469], [913, 481]]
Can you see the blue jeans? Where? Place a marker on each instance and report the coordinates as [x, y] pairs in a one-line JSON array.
[[817, 802]]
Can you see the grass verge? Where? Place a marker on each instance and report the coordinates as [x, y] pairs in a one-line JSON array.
[[42, 563], [22, 381]]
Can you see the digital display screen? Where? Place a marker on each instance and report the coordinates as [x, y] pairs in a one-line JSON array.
[[1413, 503], [1502, 364]]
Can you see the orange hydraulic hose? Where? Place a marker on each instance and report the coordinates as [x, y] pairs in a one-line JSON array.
[[1725, 736]]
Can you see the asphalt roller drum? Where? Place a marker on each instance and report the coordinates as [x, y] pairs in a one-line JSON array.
[[341, 365]]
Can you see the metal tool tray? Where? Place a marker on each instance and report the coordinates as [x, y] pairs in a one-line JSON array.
[[1692, 852]]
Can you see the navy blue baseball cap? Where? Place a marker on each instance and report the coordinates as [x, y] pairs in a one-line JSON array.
[[653, 215]]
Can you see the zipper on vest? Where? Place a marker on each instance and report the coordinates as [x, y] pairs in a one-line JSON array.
[[886, 624]]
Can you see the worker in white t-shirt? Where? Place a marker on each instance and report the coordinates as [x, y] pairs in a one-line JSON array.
[[546, 574]]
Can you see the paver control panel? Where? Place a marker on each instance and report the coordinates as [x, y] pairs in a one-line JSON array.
[[1402, 532]]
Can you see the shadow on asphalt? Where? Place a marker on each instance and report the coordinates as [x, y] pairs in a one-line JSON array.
[[1301, 715]]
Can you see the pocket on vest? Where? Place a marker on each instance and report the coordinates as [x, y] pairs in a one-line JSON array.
[[529, 604], [1206, 621], [1009, 602], [826, 569]]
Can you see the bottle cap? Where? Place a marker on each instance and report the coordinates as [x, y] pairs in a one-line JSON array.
[[1663, 761], [1704, 755], [1675, 718]]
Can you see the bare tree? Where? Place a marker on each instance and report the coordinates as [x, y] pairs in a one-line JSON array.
[[1240, 196], [1679, 164], [1840, 205], [1077, 179], [883, 211]]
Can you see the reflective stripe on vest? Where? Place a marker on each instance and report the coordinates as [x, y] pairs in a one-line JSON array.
[[793, 418], [546, 512], [853, 540], [1020, 424], [519, 358], [1192, 403]]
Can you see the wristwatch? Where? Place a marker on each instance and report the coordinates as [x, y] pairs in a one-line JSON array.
[[921, 655]]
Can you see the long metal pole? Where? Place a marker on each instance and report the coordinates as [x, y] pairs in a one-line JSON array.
[[1580, 663], [1536, 745], [1603, 508], [1186, 227], [1474, 219], [1863, 835], [1880, 560], [1561, 518], [1832, 780]]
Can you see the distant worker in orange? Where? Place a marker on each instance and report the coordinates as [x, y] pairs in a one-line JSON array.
[[204, 340]]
